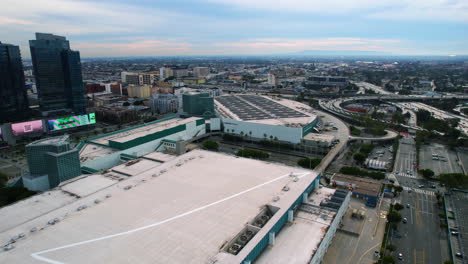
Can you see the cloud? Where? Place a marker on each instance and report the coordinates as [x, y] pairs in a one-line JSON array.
[[79, 17], [264, 46], [413, 10], [136, 48]]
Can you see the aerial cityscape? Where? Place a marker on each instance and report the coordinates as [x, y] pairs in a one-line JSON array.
[[242, 132]]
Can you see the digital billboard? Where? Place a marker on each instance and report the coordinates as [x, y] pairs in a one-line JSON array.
[[1, 137], [71, 122], [20, 129]]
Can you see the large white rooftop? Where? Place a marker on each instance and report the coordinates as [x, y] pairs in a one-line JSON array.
[[264, 110], [180, 211], [131, 134]]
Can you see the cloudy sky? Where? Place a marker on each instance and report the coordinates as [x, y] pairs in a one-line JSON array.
[[102, 28]]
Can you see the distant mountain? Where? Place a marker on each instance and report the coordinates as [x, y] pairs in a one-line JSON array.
[[341, 53]]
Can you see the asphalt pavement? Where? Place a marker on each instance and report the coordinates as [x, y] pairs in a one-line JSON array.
[[406, 159], [420, 239], [446, 160]]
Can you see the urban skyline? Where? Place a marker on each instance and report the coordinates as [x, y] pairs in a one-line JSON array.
[[218, 27]]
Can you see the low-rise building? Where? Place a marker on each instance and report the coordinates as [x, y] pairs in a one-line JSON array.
[[367, 189]]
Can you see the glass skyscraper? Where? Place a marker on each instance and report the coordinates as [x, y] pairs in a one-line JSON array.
[[57, 69], [13, 96], [51, 161]]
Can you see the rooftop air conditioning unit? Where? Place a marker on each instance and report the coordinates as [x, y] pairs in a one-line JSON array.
[[242, 240], [259, 223], [234, 249]]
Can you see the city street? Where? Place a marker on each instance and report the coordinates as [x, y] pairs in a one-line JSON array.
[[406, 159], [420, 240]]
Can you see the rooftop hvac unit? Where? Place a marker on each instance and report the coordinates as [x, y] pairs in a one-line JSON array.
[[249, 234], [234, 249], [339, 194], [341, 191], [265, 217], [242, 240], [259, 223]]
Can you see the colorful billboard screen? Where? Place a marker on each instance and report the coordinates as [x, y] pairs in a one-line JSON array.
[[20, 129], [71, 122]]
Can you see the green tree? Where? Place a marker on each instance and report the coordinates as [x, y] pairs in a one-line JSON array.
[[3, 179], [388, 260], [398, 206], [211, 145], [427, 173], [359, 157], [308, 163], [390, 247], [394, 217]]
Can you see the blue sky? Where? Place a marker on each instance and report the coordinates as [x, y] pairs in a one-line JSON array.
[[234, 27]]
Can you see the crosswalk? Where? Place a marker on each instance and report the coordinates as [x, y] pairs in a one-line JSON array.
[[407, 175], [421, 191]]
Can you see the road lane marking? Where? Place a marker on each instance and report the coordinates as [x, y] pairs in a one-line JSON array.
[[367, 251]]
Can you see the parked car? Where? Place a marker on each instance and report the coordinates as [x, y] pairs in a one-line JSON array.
[[400, 256]]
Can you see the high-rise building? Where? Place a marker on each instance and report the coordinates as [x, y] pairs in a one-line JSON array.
[[50, 162], [165, 72], [272, 79], [139, 78], [57, 70], [201, 72], [164, 103], [198, 104], [13, 96]]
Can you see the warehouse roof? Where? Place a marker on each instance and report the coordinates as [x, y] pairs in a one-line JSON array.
[[142, 131], [182, 211], [262, 109]]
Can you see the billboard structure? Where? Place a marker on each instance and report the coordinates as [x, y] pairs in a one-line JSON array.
[[71, 122], [24, 128]]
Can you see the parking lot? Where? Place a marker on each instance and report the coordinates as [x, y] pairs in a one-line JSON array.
[[382, 153], [349, 249], [457, 206], [440, 159]]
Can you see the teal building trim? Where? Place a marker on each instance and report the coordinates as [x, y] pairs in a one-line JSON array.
[[146, 138], [263, 243], [308, 128]]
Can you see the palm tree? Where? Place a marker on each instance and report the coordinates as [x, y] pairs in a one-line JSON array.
[[271, 137], [265, 136], [250, 134]]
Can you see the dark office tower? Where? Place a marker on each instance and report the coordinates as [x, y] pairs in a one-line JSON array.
[[13, 97], [58, 74]]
